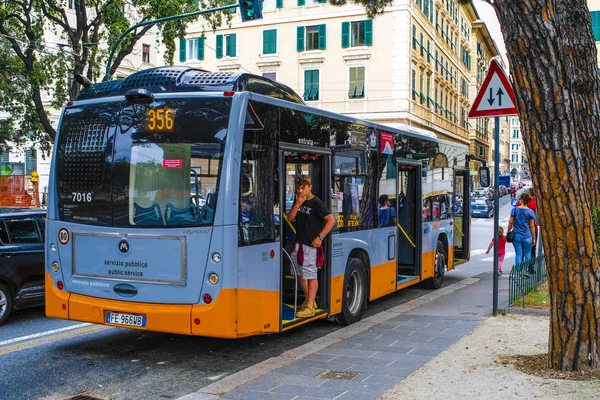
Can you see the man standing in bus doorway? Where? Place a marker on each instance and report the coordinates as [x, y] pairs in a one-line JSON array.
[[314, 223]]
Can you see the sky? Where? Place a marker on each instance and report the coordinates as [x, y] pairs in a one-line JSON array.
[[488, 15]]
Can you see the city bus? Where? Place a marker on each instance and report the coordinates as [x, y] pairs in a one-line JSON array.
[[168, 198]]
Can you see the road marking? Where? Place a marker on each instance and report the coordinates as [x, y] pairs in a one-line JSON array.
[[46, 333], [26, 342]]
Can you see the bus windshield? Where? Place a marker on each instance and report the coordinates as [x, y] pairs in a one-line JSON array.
[[140, 165]]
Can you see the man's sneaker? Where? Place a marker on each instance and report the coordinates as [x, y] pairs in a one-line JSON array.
[[303, 305], [307, 312]]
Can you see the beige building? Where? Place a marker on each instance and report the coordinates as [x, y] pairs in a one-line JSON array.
[[416, 64]]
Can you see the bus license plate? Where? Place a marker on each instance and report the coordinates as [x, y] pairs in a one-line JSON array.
[[126, 319]]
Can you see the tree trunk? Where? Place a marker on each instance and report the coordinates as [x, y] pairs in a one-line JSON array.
[[554, 72]]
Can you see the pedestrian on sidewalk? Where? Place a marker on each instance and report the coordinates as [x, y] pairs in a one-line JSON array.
[[533, 206], [501, 248], [315, 221], [522, 220]]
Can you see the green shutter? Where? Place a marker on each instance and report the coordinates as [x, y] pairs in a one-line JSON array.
[[322, 37], [270, 41], [300, 39], [200, 48], [231, 45], [279, 4], [182, 45], [219, 48], [368, 32], [301, 3], [345, 34]]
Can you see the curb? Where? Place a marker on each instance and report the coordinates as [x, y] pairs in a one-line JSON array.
[[526, 311], [232, 382]]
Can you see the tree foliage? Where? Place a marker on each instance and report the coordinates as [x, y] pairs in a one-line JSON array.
[[39, 72], [372, 7]]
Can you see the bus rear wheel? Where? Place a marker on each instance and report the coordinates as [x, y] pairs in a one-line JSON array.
[[354, 295], [439, 267]]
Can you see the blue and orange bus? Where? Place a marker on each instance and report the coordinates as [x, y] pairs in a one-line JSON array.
[[168, 195]]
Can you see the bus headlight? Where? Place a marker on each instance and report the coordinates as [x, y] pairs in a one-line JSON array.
[[216, 257], [55, 266], [213, 278], [52, 248]]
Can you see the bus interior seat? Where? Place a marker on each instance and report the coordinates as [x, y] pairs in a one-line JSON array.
[[208, 211], [147, 215], [181, 216]]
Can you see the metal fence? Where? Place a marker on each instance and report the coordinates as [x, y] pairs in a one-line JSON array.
[[524, 278]]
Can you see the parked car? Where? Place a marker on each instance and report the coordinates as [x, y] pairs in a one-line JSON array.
[[21, 259], [482, 208]]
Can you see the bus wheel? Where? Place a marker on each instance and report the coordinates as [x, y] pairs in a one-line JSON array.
[[439, 267], [354, 295], [5, 303]]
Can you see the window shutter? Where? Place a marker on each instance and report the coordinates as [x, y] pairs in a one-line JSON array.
[[345, 34], [200, 48], [322, 37], [279, 4], [300, 40], [232, 49], [269, 41], [368, 32], [182, 45], [219, 48], [266, 46], [301, 3]]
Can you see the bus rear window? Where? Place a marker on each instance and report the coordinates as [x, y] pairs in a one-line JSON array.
[[157, 165]]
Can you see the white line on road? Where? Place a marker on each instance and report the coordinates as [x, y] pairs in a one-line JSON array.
[[46, 333]]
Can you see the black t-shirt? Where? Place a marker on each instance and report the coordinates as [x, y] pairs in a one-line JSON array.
[[310, 220]]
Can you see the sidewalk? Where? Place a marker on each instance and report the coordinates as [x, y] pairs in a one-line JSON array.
[[443, 344], [373, 357]]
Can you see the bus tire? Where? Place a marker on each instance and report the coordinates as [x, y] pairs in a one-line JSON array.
[[354, 294], [6, 302], [439, 267]]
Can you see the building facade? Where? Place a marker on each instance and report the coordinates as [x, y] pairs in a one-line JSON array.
[[416, 64]]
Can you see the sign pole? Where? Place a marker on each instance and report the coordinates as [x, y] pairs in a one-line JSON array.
[[496, 210]]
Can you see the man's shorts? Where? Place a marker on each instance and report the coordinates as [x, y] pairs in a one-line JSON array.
[[309, 268]]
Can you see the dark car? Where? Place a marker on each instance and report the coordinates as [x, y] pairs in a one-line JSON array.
[[21, 259], [482, 208]]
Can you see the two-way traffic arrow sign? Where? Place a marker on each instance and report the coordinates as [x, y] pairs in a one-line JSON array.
[[500, 99]]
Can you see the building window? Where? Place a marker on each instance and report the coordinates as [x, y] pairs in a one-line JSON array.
[[311, 85], [311, 37], [72, 4], [270, 75], [356, 89], [357, 33], [515, 133], [270, 41], [414, 84], [146, 53]]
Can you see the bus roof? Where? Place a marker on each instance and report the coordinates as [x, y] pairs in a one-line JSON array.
[[185, 79]]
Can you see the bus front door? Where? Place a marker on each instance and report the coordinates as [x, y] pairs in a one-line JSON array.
[[408, 211], [317, 167], [462, 216]]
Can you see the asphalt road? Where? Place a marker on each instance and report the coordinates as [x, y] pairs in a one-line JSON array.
[[116, 363]]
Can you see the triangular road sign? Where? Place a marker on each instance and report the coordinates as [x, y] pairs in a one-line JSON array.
[[252, 123], [496, 97]]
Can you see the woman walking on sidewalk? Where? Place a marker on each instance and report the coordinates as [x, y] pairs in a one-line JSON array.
[[522, 219], [501, 248]]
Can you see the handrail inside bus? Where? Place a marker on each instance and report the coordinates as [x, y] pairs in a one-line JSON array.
[[406, 235], [295, 278], [459, 231], [285, 218]]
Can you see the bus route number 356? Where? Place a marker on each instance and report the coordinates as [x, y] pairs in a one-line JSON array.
[[81, 197]]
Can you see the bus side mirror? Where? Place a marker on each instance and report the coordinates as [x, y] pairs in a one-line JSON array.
[[484, 176]]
